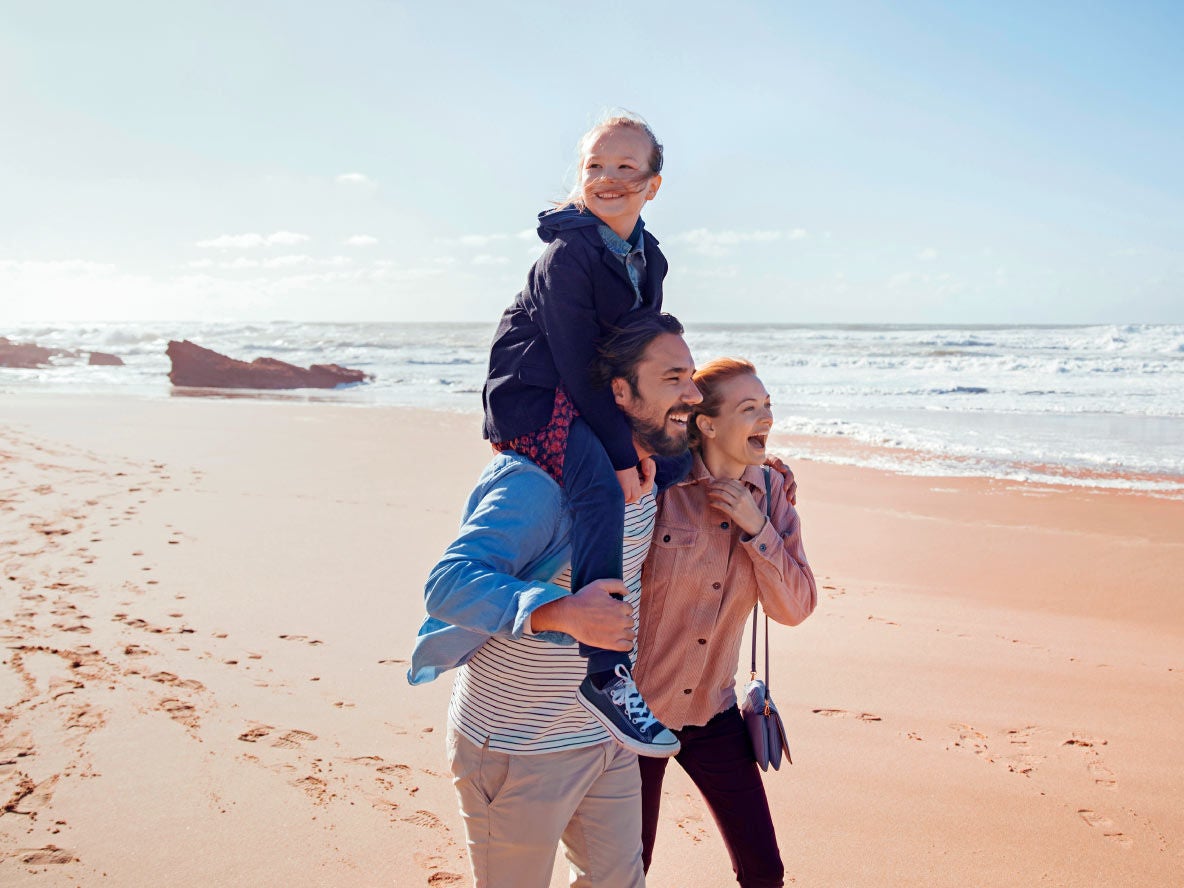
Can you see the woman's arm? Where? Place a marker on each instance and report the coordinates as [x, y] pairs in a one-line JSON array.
[[785, 583]]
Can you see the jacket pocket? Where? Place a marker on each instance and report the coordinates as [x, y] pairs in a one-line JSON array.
[[674, 538]]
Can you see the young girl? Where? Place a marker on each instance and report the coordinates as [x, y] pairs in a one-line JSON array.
[[600, 265]]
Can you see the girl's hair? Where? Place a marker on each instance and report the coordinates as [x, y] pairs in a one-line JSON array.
[[709, 379], [616, 120]]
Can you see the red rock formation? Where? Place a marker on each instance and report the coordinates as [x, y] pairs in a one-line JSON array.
[[26, 355], [201, 367], [102, 359]]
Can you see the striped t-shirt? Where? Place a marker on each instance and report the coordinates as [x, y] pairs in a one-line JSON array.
[[520, 693]]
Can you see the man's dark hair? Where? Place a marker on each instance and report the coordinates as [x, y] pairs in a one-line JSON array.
[[621, 351]]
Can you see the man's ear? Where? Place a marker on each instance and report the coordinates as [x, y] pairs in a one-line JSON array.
[[705, 425], [620, 390]]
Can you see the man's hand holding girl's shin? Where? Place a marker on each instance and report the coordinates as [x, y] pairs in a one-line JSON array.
[[591, 615]]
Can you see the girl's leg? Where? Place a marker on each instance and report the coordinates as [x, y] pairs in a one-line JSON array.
[[598, 519], [718, 759], [598, 523]]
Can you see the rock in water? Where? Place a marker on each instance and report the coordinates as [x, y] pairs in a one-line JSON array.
[[102, 359], [26, 355], [203, 368]]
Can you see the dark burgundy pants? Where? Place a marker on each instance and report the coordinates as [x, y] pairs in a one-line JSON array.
[[718, 758]]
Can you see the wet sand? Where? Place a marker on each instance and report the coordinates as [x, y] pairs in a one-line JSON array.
[[207, 606]]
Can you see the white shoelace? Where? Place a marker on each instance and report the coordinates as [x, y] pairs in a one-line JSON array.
[[627, 695]]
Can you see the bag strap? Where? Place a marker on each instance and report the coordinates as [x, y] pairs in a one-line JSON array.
[[769, 515]]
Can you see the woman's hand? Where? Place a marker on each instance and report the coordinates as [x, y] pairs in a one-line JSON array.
[[734, 499]]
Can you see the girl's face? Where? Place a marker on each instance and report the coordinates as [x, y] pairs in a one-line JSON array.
[[615, 181], [737, 436]]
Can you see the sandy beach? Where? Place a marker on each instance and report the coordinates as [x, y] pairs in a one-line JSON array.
[[208, 604]]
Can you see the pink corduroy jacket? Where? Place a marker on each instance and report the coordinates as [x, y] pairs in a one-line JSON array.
[[699, 585]]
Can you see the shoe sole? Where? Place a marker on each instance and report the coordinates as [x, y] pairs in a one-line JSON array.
[[650, 750]]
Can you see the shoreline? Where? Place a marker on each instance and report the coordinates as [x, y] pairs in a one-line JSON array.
[[208, 610], [838, 450]]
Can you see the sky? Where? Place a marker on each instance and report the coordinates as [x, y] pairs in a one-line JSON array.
[[895, 162]]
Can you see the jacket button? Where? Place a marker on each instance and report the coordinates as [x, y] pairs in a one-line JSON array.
[[702, 641], [666, 538], [686, 690], [715, 585], [723, 525], [762, 547]]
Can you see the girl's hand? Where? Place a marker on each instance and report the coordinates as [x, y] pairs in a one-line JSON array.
[[647, 470], [791, 483], [734, 499], [630, 482]]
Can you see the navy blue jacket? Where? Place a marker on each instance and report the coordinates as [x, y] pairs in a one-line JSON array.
[[575, 293]]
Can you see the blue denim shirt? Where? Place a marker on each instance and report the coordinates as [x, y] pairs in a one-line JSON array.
[[515, 537], [631, 252]]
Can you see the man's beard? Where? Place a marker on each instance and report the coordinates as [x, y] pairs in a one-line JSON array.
[[652, 436]]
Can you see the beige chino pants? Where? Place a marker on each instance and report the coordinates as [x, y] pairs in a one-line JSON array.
[[518, 808]]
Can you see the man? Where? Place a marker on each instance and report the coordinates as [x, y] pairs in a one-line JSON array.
[[530, 765]]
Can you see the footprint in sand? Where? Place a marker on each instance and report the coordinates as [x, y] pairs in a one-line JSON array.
[[315, 788], [970, 738], [424, 819], [256, 733], [304, 638], [1108, 827], [293, 740], [168, 678], [445, 879], [86, 718], [843, 713], [1023, 760], [47, 856], [16, 748], [180, 712], [1098, 770]]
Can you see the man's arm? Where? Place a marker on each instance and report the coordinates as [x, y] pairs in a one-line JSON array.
[[490, 578]]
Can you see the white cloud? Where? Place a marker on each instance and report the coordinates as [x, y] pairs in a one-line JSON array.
[[240, 262], [486, 259], [479, 240], [360, 240], [927, 255], [713, 243], [252, 240], [287, 261], [355, 179], [55, 267]]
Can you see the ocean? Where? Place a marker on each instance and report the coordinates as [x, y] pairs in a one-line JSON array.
[[1094, 406]]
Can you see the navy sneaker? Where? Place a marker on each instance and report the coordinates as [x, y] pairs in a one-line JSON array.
[[619, 707]]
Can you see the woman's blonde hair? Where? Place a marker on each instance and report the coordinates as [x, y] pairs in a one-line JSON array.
[[615, 120], [709, 379]]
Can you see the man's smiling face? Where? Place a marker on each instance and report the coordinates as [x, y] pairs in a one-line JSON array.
[[660, 403]]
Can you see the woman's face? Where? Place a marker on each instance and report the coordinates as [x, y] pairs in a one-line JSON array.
[[737, 436]]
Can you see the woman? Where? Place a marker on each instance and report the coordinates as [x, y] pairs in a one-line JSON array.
[[714, 555]]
